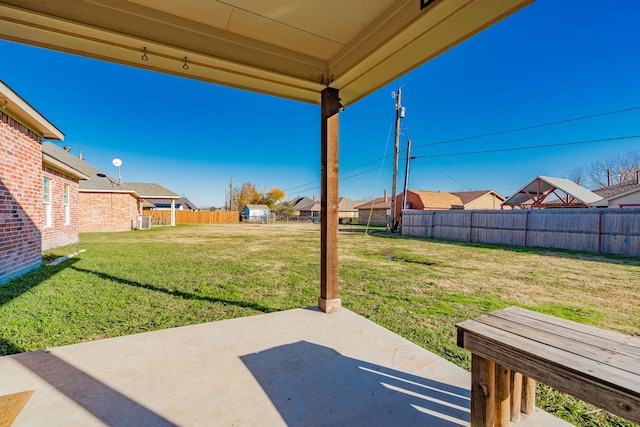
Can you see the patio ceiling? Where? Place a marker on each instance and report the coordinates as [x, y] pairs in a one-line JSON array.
[[287, 48]]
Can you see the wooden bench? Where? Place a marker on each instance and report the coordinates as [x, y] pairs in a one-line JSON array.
[[512, 348]]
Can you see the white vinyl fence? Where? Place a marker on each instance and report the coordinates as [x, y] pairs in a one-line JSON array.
[[608, 231]]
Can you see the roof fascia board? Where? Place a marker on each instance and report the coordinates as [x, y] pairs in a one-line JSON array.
[[162, 197], [88, 190], [364, 66], [277, 72], [26, 114], [56, 164]]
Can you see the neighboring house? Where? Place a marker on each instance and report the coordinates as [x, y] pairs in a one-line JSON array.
[[105, 203], [156, 192], [347, 209], [375, 212], [22, 205], [256, 213], [181, 204], [428, 201], [61, 196], [618, 196], [549, 192], [483, 199], [307, 208]]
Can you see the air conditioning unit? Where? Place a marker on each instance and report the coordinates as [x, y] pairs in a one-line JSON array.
[[144, 222]]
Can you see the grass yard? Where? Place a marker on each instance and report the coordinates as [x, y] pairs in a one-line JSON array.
[[147, 280]]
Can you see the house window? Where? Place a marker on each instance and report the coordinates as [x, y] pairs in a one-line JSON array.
[[47, 202], [66, 204]]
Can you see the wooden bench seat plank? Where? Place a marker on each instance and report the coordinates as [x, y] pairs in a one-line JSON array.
[[615, 394], [562, 338], [611, 341], [543, 355], [632, 344]]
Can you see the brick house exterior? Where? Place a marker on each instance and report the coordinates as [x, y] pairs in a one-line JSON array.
[[62, 225], [22, 129], [375, 212], [109, 211], [104, 203]]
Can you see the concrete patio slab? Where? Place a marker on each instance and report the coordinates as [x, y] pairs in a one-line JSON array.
[[298, 368]]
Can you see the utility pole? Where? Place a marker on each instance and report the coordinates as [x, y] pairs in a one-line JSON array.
[[406, 176], [393, 225], [230, 194]]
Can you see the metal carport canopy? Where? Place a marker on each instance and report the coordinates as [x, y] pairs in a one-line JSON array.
[[327, 52]]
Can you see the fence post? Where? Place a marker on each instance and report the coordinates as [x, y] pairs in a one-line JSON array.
[[599, 231], [470, 227], [526, 228]]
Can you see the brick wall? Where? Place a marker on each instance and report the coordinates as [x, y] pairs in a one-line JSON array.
[[378, 216], [108, 212], [21, 202], [59, 233]]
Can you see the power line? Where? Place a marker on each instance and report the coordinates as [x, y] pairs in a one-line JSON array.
[[502, 132], [314, 183], [531, 147]]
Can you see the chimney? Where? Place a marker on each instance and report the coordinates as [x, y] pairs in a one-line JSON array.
[[385, 196], [315, 198], [80, 156], [67, 148]]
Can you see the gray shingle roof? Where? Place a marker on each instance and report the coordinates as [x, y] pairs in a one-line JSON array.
[[614, 190], [379, 203], [150, 190], [98, 180]]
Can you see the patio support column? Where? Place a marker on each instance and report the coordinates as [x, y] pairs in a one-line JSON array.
[[173, 212], [329, 300]]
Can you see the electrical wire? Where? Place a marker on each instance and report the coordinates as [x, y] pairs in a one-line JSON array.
[[531, 147], [502, 132]]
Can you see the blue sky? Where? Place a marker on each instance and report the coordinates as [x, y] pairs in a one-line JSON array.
[[552, 61]]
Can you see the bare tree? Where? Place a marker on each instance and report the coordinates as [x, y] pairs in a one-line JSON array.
[[577, 174], [615, 169]]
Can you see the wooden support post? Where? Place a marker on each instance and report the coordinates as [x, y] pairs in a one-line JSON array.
[[329, 300], [173, 213], [503, 396], [516, 395], [482, 391], [528, 395]]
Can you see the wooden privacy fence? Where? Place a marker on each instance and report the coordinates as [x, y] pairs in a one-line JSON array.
[[609, 231], [189, 217]]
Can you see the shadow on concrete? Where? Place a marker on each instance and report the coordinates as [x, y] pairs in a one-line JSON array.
[[310, 384], [175, 293], [103, 402]]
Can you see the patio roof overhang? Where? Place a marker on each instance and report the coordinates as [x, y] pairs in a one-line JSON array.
[[287, 48], [329, 52]]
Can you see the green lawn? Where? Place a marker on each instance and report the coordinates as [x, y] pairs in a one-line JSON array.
[[147, 280]]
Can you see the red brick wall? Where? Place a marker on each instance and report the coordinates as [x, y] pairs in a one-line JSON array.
[[59, 233], [108, 212], [21, 198]]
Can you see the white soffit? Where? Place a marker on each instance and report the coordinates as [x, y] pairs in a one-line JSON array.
[[287, 48]]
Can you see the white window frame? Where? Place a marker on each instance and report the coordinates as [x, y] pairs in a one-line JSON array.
[[46, 187]]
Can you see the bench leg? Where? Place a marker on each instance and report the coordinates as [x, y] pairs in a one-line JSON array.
[[482, 392], [528, 395], [503, 396], [516, 395]]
